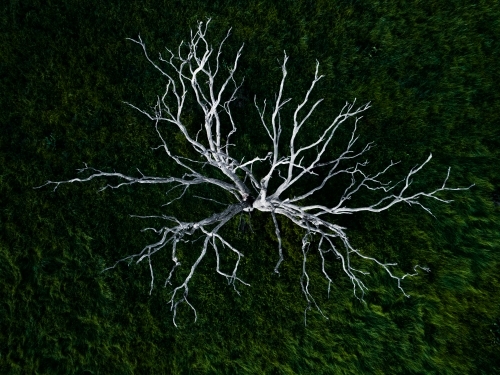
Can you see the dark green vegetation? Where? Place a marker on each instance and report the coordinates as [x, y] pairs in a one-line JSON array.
[[431, 72]]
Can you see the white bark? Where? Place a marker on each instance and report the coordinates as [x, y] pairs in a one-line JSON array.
[[191, 73]]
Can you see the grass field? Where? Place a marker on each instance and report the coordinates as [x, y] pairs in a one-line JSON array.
[[430, 70]]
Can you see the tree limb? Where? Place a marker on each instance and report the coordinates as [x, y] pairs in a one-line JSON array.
[[190, 73]]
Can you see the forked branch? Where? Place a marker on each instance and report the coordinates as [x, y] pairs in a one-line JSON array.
[[195, 68]]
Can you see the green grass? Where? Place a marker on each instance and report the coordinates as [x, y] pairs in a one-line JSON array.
[[429, 69]]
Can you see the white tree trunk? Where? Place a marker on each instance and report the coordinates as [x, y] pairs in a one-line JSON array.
[[191, 73]]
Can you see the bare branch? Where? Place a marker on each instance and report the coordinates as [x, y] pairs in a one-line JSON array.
[[196, 69]]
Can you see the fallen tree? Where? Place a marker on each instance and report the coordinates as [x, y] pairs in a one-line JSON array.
[[194, 70]]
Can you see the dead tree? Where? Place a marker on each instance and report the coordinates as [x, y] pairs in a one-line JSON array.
[[194, 69]]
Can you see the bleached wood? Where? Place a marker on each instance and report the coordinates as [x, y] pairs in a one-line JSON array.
[[191, 74]]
